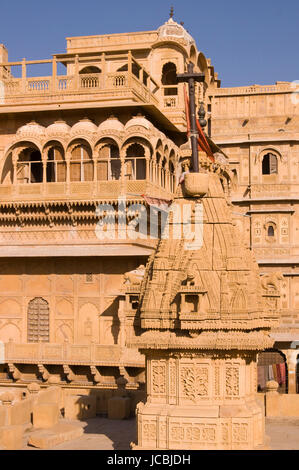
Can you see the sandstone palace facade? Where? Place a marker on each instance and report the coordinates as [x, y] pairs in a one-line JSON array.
[[105, 129]]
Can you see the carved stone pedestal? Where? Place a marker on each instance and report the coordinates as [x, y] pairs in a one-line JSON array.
[[200, 401]]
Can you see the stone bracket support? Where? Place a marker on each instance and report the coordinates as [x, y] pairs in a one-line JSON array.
[[43, 372], [14, 371], [69, 373]]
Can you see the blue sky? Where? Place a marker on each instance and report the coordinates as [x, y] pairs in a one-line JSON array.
[[252, 42]]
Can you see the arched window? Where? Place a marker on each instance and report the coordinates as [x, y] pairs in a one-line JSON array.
[[38, 320], [90, 69], [81, 165], [270, 231], [272, 364], [89, 77], [135, 69], [269, 164], [30, 167], [56, 165], [169, 79], [135, 163], [108, 165]]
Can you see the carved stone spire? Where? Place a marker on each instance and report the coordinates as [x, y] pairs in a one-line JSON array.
[[203, 316]]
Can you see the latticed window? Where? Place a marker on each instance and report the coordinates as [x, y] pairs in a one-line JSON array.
[[81, 164], [38, 320]]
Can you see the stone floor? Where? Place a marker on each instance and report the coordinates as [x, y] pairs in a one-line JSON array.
[[104, 434]]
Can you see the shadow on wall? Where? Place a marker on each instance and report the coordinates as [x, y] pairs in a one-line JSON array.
[[92, 408]]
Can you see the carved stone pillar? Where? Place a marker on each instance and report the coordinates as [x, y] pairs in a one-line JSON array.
[[167, 179], [159, 174], [68, 172], [291, 357], [14, 164], [123, 182], [44, 164]]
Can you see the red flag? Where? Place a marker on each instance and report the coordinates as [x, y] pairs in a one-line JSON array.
[[203, 143]]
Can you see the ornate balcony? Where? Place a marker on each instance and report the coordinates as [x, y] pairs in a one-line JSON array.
[[134, 85], [86, 190], [55, 353]]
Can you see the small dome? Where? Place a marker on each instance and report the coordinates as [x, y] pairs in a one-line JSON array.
[[31, 129], [84, 126], [112, 123], [172, 29], [138, 121], [58, 128]]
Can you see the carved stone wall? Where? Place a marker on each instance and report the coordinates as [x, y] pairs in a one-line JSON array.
[[79, 298], [201, 401]]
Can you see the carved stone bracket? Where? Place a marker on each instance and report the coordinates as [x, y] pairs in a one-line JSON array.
[[43, 372], [97, 377], [123, 372], [69, 373], [14, 372]]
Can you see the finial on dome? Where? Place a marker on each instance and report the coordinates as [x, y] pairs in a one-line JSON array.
[[171, 12]]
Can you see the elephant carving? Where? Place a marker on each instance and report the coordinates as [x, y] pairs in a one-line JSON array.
[[271, 280]]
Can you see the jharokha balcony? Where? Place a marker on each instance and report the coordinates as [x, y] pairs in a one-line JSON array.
[[87, 86]]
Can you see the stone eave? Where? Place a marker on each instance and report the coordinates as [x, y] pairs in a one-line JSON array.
[[211, 340]]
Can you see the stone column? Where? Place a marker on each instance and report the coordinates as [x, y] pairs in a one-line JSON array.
[[24, 75], [76, 74], [14, 164], [44, 163], [54, 73], [291, 357], [68, 172], [122, 157], [130, 63], [103, 63]]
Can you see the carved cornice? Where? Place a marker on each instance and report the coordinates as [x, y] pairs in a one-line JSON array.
[[210, 340]]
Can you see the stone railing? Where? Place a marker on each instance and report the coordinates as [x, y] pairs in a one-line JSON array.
[[170, 101], [253, 89], [66, 353], [25, 90], [81, 190], [72, 237], [90, 80]]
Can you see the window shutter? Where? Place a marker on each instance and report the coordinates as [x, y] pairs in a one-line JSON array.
[[273, 164], [102, 170]]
